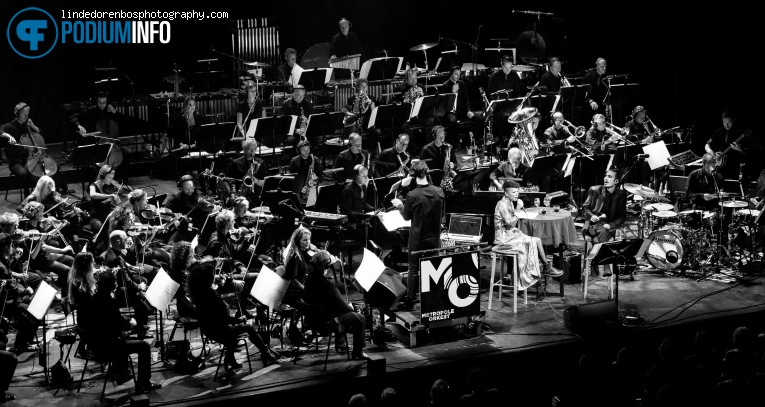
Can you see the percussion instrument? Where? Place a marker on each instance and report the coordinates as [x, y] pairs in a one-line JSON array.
[[423, 47], [665, 252], [663, 218], [734, 204], [659, 207], [746, 215], [691, 218], [643, 191]]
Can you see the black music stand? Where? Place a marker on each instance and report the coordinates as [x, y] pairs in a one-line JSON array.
[[383, 69], [611, 252], [623, 95], [313, 80], [214, 131], [545, 164], [283, 203], [321, 124], [571, 97], [87, 156], [395, 114], [623, 154]]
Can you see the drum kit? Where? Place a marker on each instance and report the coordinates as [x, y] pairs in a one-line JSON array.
[[684, 240]]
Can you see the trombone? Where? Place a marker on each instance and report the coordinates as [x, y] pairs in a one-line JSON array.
[[579, 131], [619, 132]]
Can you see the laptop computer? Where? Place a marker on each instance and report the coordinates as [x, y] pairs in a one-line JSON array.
[[463, 228]]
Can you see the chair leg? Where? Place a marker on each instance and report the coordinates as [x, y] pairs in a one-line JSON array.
[[106, 379], [491, 279], [82, 376], [247, 350], [347, 348], [329, 344], [172, 333], [220, 360]]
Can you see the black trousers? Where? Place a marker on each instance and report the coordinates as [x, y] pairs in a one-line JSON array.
[[8, 363], [126, 347]]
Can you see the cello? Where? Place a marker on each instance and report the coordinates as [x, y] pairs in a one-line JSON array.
[[39, 162]]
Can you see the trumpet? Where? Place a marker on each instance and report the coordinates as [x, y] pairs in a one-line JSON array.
[[578, 132]]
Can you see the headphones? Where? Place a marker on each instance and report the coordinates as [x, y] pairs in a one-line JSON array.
[[350, 25], [19, 107], [183, 179], [435, 130]]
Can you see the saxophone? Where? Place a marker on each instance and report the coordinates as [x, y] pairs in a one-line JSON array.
[[248, 182], [309, 180], [414, 93], [446, 182], [360, 106], [303, 124], [403, 170]]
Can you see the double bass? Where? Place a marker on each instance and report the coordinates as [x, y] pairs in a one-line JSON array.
[[39, 162]]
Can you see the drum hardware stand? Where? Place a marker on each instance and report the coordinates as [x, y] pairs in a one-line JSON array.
[[718, 245]]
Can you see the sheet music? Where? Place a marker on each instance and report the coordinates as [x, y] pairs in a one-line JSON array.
[[555, 104], [292, 125], [252, 128], [194, 243], [372, 118], [370, 269], [658, 154], [269, 288], [569, 166], [41, 301], [367, 65], [416, 107], [297, 70], [162, 290], [393, 220], [395, 187]]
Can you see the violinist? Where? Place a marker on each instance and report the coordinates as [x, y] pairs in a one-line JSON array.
[[110, 332], [25, 250], [131, 282], [82, 286], [103, 197], [213, 313], [189, 208], [17, 294], [149, 259], [297, 262], [234, 253], [250, 169], [187, 125], [56, 206], [55, 256], [249, 109], [146, 214]]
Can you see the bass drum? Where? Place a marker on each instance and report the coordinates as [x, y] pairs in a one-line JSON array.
[[665, 251]]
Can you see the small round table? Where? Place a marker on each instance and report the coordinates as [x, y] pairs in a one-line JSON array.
[[553, 228]]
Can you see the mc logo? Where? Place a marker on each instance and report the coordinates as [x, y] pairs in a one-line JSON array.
[[32, 33], [450, 283]]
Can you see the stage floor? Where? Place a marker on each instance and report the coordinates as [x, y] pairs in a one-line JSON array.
[[661, 300]]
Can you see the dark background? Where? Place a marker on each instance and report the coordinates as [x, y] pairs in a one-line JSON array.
[[691, 62]]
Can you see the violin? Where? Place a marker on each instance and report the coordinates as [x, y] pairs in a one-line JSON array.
[[242, 234], [39, 162], [121, 189]]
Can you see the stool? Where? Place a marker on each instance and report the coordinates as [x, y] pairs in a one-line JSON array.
[[492, 282], [586, 268], [242, 338]]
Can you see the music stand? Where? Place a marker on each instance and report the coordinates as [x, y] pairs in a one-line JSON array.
[[314, 79], [396, 114], [545, 164], [569, 98], [380, 69], [87, 156], [622, 95], [320, 124], [214, 131], [610, 252]]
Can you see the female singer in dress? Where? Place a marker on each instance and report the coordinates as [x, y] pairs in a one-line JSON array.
[[509, 237], [213, 313]]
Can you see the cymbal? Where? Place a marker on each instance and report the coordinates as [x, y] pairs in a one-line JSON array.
[[454, 51], [643, 191], [262, 64], [423, 47], [523, 114], [735, 204], [524, 68], [171, 79], [665, 214]]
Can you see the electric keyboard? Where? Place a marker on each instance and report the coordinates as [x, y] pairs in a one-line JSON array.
[[684, 158], [327, 219]]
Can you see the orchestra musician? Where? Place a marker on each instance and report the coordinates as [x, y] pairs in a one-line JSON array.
[[17, 156], [396, 155], [249, 109], [641, 130], [605, 210], [359, 109], [512, 168], [301, 163], [82, 286], [17, 294], [103, 197], [597, 134], [597, 88], [434, 154], [318, 290], [187, 125], [213, 313], [721, 139], [297, 260], [110, 332], [536, 130], [345, 42], [408, 92], [424, 206], [240, 168], [701, 186], [284, 71], [557, 135], [463, 110], [45, 193], [504, 80], [298, 106], [90, 117], [130, 280], [187, 204], [355, 202], [552, 79], [352, 156], [25, 250], [54, 256], [530, 250]]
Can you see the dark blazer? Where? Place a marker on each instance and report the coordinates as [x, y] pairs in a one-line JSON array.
[[599, 202]]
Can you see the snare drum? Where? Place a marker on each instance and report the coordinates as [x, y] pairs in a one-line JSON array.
[[691, 218], [746, 215], [663, 218]]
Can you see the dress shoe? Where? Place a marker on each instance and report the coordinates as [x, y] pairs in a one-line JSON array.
[[551, 271], [268, 355], [341, 348], [360, 355], [147, 387], [231, 364]]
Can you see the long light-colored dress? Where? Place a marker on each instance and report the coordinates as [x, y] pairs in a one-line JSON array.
[[508, 237]]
